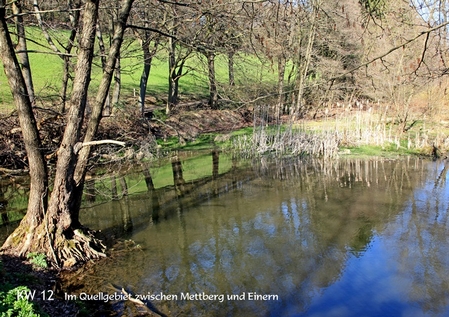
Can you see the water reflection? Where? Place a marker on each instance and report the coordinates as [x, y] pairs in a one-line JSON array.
[[13, 202], [342, 238]]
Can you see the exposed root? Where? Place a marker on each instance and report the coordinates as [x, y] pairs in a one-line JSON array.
[[81, 248]]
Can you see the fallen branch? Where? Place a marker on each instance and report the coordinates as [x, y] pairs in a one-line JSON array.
[[12, 172], [147, 304], [80, 145]]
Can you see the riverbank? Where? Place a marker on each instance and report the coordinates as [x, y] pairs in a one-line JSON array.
[[358, 131], [355, 133], [143, 136]]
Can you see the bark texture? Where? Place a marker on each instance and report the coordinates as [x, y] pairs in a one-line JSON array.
[[54, 228], [23, 238]]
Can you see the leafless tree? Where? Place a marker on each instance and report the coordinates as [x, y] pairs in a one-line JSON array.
[[53, 228]]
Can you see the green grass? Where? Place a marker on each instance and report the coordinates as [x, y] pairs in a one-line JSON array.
[[47, 72], [390, 150]]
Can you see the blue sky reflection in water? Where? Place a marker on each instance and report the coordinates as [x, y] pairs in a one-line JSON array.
[[349, 238], [394, 276]]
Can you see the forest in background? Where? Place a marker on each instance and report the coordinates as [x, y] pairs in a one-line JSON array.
[[291, 57]]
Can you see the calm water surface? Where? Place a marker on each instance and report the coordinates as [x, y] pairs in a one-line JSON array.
[[345, 238]]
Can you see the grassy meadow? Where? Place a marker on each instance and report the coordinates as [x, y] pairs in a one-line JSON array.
[[47, 70], [354, 129]]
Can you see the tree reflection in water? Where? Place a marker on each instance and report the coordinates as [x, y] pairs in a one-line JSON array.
[[347, 237]]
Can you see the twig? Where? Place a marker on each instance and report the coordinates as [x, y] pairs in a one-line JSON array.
[[426, 32]]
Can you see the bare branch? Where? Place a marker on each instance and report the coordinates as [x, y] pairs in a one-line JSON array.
[[44, 11], [47, 52], [44, 30], [421, 61], [391, 50], [78, 146], [175, 3], [144, 28]]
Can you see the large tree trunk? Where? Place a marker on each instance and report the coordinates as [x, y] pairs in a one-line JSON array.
[[23, 238], [69, 243], [57, 231], [97, 108]]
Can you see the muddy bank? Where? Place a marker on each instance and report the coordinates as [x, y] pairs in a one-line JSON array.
[[125, 125]]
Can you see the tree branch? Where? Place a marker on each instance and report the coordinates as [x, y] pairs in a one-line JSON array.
[[392, 49], [78, 146]]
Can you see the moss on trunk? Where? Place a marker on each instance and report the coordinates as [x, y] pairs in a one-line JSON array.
[[63, 249]]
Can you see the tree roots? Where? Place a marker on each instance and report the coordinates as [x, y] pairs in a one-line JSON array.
[[82, 247], [63, 251]]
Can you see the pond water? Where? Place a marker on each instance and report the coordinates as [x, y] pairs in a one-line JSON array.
[[293, 238]]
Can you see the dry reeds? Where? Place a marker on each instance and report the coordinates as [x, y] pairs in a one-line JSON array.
[[350, 128], [290, 142]]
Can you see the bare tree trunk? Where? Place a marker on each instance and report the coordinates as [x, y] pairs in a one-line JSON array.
[[97, 109], [65, 84], [21, 240], [55, 231], [62, 215], [117, 82], [231, 69], [281, 74], [147, 58], [74, 16], [172, 81], [22, 51], [102, 48], [303, 67], [213, 93], [74, 21]]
